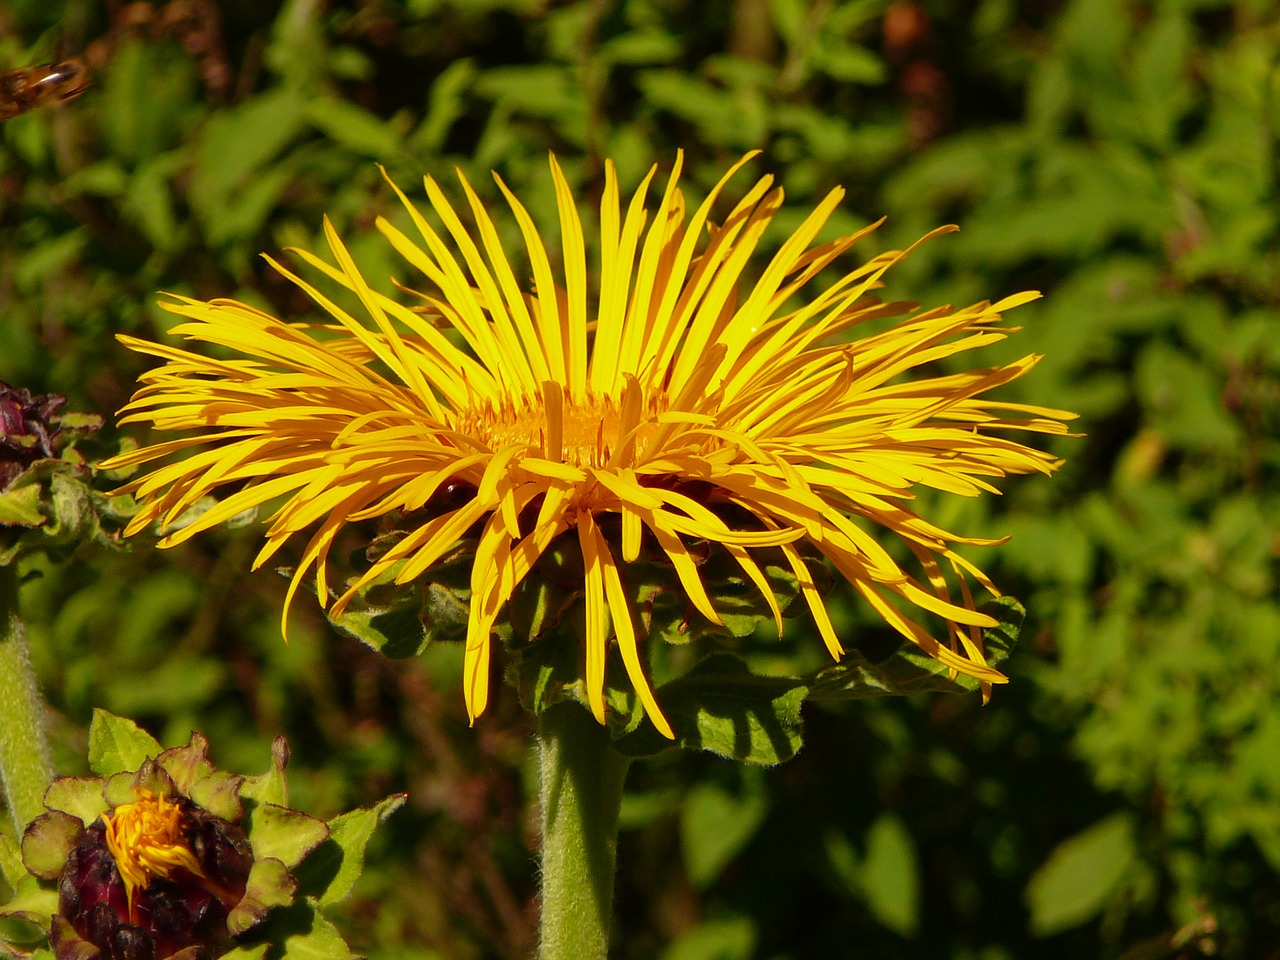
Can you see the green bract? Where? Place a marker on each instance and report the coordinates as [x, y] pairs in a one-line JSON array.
[[717, 704]]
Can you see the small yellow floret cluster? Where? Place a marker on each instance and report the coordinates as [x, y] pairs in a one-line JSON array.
[[145, 839]]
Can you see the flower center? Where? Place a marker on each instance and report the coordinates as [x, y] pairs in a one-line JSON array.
[[146, 840], [589, 429]]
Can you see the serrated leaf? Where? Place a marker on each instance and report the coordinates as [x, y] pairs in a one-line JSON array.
[[1080, 877], [79, 796], [117, 744], [283, 834], [720, 706], [332, 869]]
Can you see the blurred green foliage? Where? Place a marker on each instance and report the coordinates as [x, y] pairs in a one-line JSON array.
[[1119, 799]]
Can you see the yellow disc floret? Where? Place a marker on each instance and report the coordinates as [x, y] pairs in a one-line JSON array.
[[146, 840]]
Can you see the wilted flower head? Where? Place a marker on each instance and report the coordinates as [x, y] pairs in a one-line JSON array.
[[143, 870], [153, 877], [28, 427], [178, 859], [658, 394], [46, 501]]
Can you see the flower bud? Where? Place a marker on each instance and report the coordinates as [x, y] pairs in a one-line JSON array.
[[153, 877], [178, 860]]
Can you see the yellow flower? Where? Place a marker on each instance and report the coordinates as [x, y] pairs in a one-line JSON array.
[[659, 388], [147, 839]]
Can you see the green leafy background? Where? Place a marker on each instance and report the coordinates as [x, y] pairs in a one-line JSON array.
[[1119, 799]]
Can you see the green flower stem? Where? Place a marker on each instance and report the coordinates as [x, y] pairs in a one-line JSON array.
[[581, 793], [24, 757]]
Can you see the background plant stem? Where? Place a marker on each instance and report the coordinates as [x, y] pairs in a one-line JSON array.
[[581, 794], [24, 756]]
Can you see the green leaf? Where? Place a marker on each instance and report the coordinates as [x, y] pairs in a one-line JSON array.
[[79, 796], [270, 885], [722, 707], [355, 128], [731, 939], [186, 765], [67, 943], [20, 506], [319, 940], [909, 670], [643, 46], [791, 18], [238, 142], [117, 744], [47, 843], [11, 866], [667, 613], [246, 211], [396, 633], [891, 876], [852, 64], [219, 793], [287, 835], [32, 902], [723, 116], [143, 98], [337, 863], [446, 103], [400, 620], [149, 202], [196, 777], [255, 952], [541, 90], [716, 823], [1081, 876], [270, 787]]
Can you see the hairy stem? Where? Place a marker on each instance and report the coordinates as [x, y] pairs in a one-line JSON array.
[[24, 756], [581, 793]]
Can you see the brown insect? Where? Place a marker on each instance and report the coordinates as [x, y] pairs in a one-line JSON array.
[[193, 23], [30, 87]]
